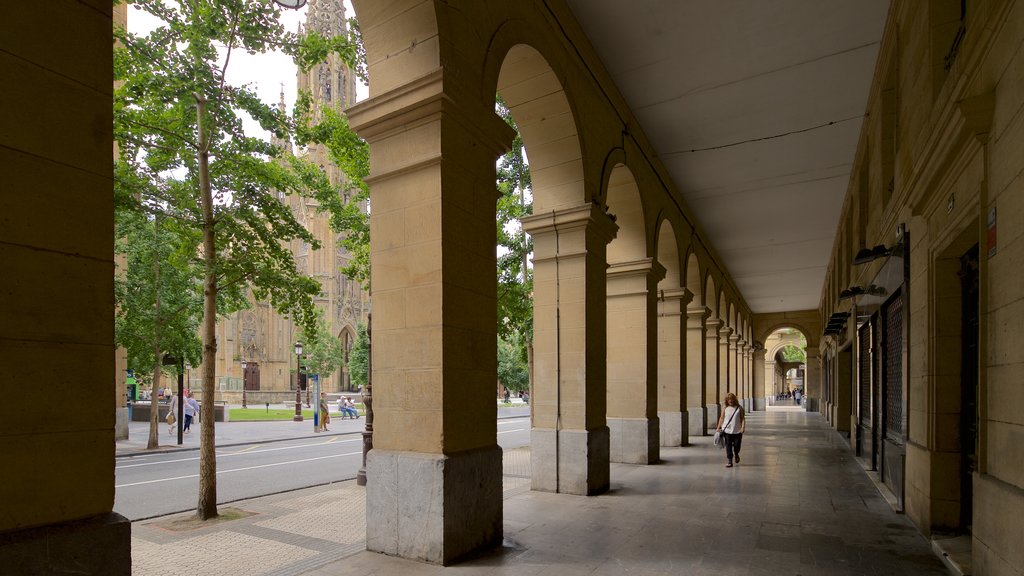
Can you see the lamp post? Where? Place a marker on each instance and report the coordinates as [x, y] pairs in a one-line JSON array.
[[298, 389], [245, 375], [368, 403]]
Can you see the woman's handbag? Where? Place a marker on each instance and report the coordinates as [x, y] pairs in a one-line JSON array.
[[720, 433], [170, 417]]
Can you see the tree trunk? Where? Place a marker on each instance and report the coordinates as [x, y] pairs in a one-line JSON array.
[[154, 407], [207, 505]]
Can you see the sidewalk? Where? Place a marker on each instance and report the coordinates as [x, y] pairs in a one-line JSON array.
[[798, 504], [234, 433]]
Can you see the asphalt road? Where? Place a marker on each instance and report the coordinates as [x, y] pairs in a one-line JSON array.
[[156, 484]]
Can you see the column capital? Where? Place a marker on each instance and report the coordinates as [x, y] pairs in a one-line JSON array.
[[682, 294], [585, 216], [421, 101], [643, 267], [698, 312], [724, 331], [735, 338]]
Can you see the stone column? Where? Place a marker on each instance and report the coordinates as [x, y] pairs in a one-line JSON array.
[[672, 361], [633, 361], [712, 379], [434, 490], [696, 391], [570, 436], [725, 382], [761, 386], [812, 380], [734, 381]]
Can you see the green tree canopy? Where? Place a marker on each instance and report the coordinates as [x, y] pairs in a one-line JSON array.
[[321, 350], [359, 357]]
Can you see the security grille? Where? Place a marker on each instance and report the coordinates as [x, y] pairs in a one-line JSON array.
[[865, 375], [895, 418]]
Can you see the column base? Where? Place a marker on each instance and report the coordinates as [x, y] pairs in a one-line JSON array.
[[634, 440], [95, 546], [121, 423], [433, 507], [570, 461], [674, 428], [698, 421], [713, 411], [760, 404]]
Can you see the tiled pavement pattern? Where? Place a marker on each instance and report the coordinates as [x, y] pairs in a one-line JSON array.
[[799, 504]]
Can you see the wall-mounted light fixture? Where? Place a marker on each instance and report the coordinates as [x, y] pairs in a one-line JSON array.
[[293, 4], [865, 255], [851, 292]]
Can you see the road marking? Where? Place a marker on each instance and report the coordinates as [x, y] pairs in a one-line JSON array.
[[221, 472], [245, 452]]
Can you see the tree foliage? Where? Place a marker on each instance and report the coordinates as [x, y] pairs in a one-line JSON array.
[[791, 353], [512, 369], [159, 303], [359, 357], [321, 350], [185, 156]]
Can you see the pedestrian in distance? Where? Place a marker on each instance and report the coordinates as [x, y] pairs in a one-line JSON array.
[[348, 408], [172, 415], [325, 409], [191, 408], [732, 423]]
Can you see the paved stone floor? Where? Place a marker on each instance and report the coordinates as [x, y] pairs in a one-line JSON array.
[[799, 504]]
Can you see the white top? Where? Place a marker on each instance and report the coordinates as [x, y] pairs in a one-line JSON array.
[[732, 427]]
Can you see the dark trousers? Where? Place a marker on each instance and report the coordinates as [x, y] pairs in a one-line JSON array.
[[188, 422], [732, 445]]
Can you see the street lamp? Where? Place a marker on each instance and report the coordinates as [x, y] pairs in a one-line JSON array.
[[293, 4], [244, 379], [298, 389]]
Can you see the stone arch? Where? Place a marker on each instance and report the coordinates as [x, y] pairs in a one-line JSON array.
[[625, 203], [537, 100], [672, 358]]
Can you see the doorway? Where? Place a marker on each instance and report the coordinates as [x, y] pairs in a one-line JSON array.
[[968, 384]]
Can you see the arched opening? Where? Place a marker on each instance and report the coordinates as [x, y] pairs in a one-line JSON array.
[[632, 279], [673, 299], [696, 314], [785, 368]]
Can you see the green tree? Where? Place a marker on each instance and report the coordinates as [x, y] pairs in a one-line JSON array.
[[791, 353], [159, 303], [512, 369], [359, 357], [321, 350], [515, 276], [185, 155]]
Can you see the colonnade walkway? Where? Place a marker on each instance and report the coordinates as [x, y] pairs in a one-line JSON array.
[[797, 504]]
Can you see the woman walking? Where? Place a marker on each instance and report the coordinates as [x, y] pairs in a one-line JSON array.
[[734, 424]]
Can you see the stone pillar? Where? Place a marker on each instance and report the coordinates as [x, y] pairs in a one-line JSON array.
[[712, 381], [672, 361], [633, 361], [696, 391], [570, 437], [734, 381], [434, 490], [725, 383], [812, 380], [762, 388]]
